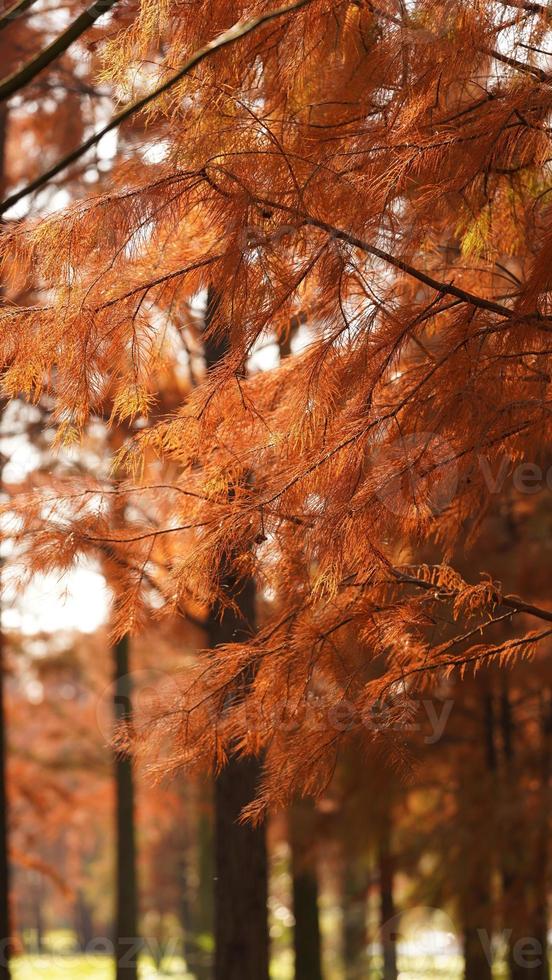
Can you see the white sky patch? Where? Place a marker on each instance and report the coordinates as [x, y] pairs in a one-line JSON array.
[[79, 601], [156, 152], [58, 201], [265, 357], [19, 210], [106, 149], [23, 459]]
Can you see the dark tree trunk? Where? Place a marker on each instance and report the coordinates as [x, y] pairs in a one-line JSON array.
[[543, 845], [241, 876], [188, 945], [353, 904], [241, 929], [197, 901], [126, 932], [475, 874], [204, 909], [83, 922], [514, 885], [306, 933], [38, 898], [477, 958], [540, 969], [388, 912], [524, 888], [5, 918], [241, 868]]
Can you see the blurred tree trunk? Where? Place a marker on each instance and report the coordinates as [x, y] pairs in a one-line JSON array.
[[543, 835], [186, 905], [353, 905], [476, 958], [306, 933], [83, 922], [241, 867], [525, 888], [126, 932], [241, 874], [204, 910], [388, 912], [5, 918], [542, 849], [516, 920], [38, 898], [475, 898], [5, 921], [199, 873]]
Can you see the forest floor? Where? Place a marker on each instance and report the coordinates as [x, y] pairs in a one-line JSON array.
[[90, 967], [83, 967]]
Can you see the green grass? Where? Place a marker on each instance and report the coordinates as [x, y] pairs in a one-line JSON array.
[[48, 967], [83, 967], [96, 967], [99, 967]]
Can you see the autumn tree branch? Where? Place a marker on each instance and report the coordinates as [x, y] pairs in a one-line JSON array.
[[470, 658], [17, 8], [522, 66], [233, 34], [527, 5], [444, 288], [18, 79], [512, 602]]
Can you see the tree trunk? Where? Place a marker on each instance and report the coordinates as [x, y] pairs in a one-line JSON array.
[[241, 887], [241, 867], [524, 889], [477, 958], [197, 902], [5, 918], [204, 909], [514, 886], [188, 944], [540, 970], [306, 933], [388, 912], [38, 897], [126, 933], [83, 922], [241, 875], [353, 904], [476, 792]]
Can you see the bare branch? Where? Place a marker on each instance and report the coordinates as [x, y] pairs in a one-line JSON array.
[[16, 81], [509, 601], [233, 34], [19, 7], [441, 287]]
